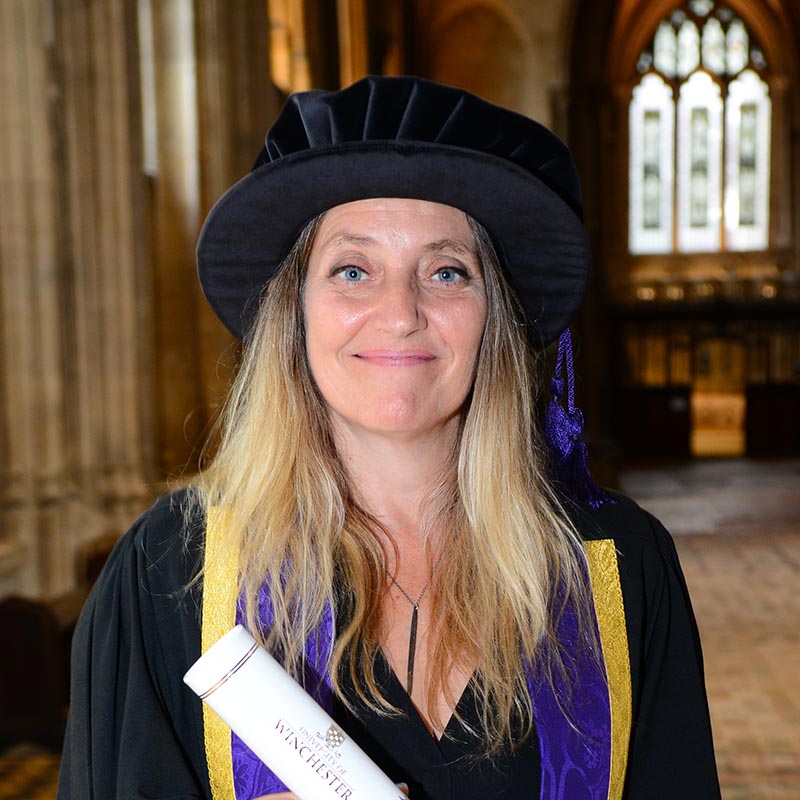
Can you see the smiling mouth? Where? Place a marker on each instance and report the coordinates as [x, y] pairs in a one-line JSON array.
[[396, 358]]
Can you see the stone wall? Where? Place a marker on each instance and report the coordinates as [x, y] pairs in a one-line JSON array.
[[513, 52]]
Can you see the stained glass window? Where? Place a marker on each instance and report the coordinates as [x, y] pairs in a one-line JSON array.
[[714, 46], [652, 115], [701, 7], [699, 123], [699, 180], [738, 47], [688, 48], [748, 115], [665, 49]]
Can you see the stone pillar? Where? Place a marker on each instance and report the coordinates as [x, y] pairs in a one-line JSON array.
[[289, 55], [32, 457], [74, 284], [105, 272], [237, 102], [353, 53], [175, 220], [106, 233], [214, 101]]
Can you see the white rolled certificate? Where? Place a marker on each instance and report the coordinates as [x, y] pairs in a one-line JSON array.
[[283, 725]]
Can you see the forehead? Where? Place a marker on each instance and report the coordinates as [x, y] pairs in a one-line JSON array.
[[394, 219]]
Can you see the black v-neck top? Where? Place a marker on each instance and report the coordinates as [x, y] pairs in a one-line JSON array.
[[446, 769]]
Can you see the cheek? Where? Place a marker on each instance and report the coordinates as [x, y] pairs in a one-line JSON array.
[[320, 323], [316, 331], [320, 345], [464, 331], [329, 327]]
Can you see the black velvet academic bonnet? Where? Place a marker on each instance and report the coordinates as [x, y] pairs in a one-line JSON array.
[[412, 138]]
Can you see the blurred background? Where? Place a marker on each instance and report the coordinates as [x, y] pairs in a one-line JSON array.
[[122, 121]]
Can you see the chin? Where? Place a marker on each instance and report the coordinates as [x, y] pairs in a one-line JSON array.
[[406, 423], [395, 415], [393, 424]]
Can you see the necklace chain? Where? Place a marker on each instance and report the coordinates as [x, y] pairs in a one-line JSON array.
[[412, 639], [406, 594]]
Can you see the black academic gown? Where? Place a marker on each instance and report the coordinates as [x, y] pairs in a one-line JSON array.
[[135, 731]]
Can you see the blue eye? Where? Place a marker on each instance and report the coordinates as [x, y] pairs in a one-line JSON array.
[[351, 273], [450, 274]]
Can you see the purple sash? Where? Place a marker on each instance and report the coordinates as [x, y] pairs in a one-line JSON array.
[[251, 777], [574, 737]]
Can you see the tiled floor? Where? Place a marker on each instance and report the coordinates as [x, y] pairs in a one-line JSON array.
[[737, 527], [28, 772]]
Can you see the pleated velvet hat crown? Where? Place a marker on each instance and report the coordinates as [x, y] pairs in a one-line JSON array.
[[410, 138]]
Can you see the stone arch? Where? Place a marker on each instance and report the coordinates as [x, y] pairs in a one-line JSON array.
[[494, 65], [635, 23]]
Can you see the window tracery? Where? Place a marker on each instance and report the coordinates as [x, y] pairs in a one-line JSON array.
[[699, 127]]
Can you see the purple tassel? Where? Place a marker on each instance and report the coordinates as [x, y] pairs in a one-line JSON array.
[[563, 429]]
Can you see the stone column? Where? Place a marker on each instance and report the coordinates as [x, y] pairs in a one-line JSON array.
[[75, 288], [105, 270], [33, 454], [237, 102], [353, 53], [289, 52], [175, 219]]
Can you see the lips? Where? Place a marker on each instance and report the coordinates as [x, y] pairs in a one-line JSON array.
[[396, 358]]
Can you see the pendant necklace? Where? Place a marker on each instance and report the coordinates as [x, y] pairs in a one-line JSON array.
[[412, 639]]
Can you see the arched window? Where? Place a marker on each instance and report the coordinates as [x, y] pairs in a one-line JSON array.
[[700, 118]]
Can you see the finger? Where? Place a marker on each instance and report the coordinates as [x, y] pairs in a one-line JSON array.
[[278, 796]]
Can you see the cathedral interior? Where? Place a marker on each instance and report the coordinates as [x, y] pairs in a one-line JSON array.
[[121, 123]]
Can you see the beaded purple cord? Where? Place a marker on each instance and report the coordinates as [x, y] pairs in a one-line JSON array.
[[563, 430]]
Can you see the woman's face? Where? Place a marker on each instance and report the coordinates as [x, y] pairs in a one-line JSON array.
[[395, 307]]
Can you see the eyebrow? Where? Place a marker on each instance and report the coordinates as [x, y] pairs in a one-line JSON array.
[[348, 238], [455, 245], [438, 246]]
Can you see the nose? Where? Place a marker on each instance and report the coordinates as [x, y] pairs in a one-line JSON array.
[[400, 310]]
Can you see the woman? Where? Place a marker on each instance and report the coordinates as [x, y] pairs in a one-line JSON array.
[[381, 512]]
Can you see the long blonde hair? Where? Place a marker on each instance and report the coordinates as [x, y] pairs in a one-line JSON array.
[[292, 520]]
